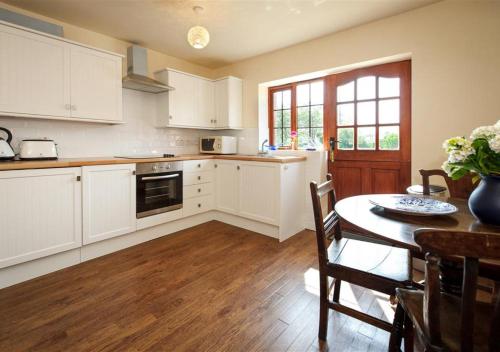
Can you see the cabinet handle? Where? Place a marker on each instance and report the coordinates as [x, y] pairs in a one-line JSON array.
[[199, 190], [199, 178], [237, 167], [199, 165], [215, 166], [170, 117], [199, 205], [78, 178], [133, 172]]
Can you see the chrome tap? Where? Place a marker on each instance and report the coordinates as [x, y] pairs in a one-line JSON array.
[[262, 151]]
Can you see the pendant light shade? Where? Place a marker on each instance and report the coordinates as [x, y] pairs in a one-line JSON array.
[[198, 37]]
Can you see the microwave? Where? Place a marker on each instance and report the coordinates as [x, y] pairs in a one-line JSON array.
[[218, 145]]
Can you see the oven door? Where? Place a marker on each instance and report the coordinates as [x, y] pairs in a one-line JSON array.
[[158, 193]]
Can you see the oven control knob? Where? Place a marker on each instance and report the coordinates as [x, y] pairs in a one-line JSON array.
[[155, 167], [168, 166]]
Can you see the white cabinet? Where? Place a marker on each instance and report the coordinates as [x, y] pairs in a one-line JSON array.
[[198, 102], [205, 104], [34, 74], [198, 187], [43, 76], [40, 213], [109, 201], [228, 103], [96, 85], [181, 100], [226, 185], [259, 191]]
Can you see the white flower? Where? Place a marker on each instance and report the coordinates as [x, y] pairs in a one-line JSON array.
[[458, 149], [495, 143], [497, 127], [486, 132], [457, 156], [447, 168], [455, 143]]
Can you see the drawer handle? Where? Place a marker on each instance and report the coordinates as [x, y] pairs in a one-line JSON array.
[[237, 167], [199, 178], [215, 166], [199, 205], [199, 190], [199, 165]]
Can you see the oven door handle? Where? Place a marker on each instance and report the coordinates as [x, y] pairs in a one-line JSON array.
[[147, 178]]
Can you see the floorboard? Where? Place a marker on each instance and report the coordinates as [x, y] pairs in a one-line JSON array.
[[213, 287]]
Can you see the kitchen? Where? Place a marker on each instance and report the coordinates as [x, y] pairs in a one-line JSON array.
[[115, 144]]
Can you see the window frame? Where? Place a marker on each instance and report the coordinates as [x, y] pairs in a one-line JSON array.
[[293, 105]]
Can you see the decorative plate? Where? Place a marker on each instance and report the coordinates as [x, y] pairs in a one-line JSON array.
[[413, 205]]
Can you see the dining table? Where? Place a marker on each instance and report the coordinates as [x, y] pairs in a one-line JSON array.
[[397, 229]]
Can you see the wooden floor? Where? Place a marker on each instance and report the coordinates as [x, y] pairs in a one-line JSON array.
[[213, 287]]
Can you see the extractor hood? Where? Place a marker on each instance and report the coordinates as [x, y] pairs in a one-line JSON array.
[[137, 71]]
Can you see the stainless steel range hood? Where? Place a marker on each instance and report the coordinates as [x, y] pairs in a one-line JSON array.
[[137, 71]]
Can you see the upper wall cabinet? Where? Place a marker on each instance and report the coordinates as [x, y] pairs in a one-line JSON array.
[[198, 102], [43, 76]]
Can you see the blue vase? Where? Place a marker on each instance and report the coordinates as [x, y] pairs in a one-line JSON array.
[[484, 201]]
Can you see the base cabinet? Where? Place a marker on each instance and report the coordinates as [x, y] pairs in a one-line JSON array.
[[40, 213], [109, 201], [226, 186]]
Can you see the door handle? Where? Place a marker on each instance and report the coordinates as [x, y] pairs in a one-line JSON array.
[[332, 141]]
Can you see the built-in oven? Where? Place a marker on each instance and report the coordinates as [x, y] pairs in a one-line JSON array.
[[159, 187]]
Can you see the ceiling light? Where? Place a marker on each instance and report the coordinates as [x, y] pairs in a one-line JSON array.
[[198, 36]]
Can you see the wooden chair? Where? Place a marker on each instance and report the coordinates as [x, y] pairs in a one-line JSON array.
[[374, 266], [444, 322], [458, 189]]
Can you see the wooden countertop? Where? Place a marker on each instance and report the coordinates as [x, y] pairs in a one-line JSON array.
[[77, 162]]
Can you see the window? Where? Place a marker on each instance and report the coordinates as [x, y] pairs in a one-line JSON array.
[[368, 114], [297, 107]]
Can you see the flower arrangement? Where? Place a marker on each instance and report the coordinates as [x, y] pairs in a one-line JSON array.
[[480, 154]]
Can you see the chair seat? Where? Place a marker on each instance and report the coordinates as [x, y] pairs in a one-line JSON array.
[[412, 302], [382, 261]]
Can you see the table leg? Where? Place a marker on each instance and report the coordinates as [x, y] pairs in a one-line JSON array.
[[451, 276]]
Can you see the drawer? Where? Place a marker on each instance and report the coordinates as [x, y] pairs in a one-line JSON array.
[[197, 205], [195, 178], [198, 165], [202, 189]]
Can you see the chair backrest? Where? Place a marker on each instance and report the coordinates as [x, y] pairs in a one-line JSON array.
[[458, 189], [329, 226], [471, 246]]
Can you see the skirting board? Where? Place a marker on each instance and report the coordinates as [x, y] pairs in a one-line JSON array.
[[25, 271]]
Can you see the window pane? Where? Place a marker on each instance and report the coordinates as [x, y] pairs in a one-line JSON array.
[[286, 118], [302, 94], [388, 111], [316, 137], [303, 135], [388, 138], [317, 93], [278, 119], [366, 138], [345, 114], [317, 116], [388, 87], [287, 99], [345, 92], [277, 137], [287, 139], [365, 88], [277, 100], [303, 117], [346, 138], [366, 113]]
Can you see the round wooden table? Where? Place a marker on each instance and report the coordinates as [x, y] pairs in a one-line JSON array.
[[398, 229]]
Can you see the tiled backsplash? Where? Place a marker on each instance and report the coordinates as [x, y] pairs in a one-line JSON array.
[[137, 136]]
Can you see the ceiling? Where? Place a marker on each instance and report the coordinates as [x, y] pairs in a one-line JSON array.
[[239, 29]]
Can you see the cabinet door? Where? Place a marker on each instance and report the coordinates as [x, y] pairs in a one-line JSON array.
[[259, 191], [226, 186], [221, 106], [96, 85], [34, 74], [181, 100], [205, 109], [40, 213], [109, 201]]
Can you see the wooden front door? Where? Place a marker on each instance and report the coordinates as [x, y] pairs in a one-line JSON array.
[[368, 128]]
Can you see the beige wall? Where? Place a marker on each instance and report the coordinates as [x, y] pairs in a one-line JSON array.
[[455, 51], [156, 60]]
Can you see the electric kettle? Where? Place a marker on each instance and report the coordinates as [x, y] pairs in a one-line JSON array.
[[6, 151]]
